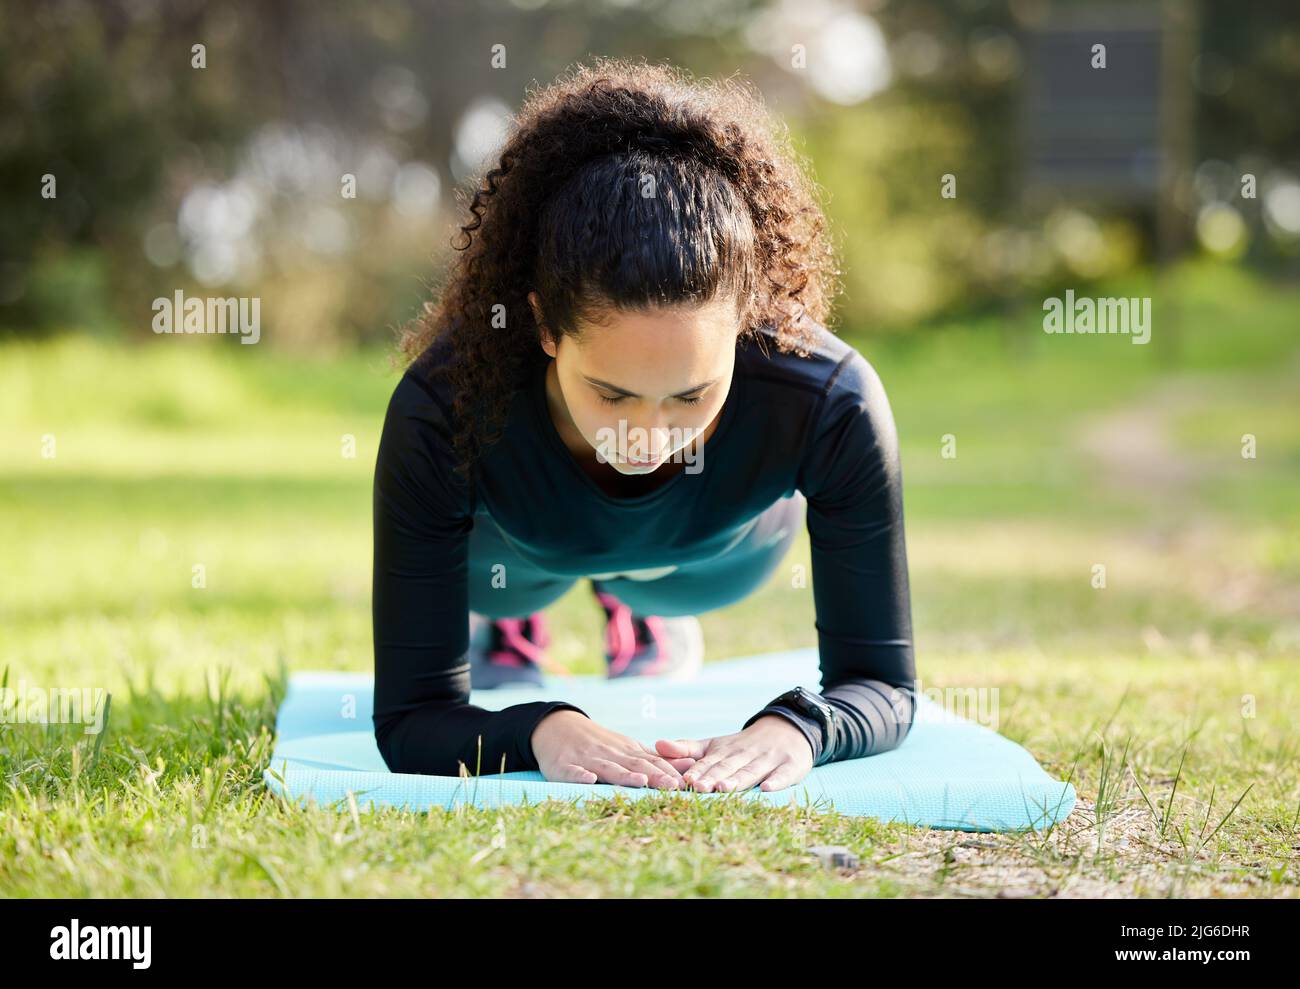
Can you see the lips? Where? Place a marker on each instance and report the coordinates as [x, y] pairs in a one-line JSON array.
[[653, 462]]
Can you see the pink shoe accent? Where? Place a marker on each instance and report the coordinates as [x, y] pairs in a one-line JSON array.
[[621, 639], [538, 631], [512, 634]]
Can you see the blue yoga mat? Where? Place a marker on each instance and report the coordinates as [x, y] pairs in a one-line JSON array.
[[949, 773]]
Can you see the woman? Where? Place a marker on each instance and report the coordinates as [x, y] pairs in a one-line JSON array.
[[627, 378]]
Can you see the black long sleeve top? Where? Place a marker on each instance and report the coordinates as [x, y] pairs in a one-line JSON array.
[[820, 424]]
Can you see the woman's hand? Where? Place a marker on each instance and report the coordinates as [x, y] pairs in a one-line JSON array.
[[771, 752], [571, 748]]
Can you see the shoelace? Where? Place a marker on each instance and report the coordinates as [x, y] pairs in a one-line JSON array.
[[515, 643], [624, 633]]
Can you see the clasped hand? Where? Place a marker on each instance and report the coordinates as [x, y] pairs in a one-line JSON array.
[[771, 753]]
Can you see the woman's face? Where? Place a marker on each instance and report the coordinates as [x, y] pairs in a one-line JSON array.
[[641, 388]]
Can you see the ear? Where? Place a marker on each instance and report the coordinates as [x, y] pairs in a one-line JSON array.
[[548, 341]]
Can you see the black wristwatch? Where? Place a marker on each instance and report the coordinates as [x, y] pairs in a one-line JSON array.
[[814, 706]]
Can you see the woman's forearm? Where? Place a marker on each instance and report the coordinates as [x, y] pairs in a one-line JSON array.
[[437, 737], [874, 716]]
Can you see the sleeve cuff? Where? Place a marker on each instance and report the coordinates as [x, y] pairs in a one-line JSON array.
[[810, 731]]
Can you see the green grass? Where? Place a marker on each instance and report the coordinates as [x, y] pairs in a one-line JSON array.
[[1167, 697]]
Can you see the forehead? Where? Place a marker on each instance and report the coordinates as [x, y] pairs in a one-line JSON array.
[[673, 347]]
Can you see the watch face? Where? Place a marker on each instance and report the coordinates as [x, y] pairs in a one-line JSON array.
[[804, 702], [809, 701]]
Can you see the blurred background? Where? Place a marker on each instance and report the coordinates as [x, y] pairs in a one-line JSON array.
[[183, 501], [227, 177]]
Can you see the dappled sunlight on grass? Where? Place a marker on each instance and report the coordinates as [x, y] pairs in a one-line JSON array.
[[175, 454]]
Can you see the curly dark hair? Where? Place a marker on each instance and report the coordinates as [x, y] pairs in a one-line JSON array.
[[565, 212]]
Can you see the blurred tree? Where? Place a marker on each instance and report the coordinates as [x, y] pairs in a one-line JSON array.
[[227, 178]]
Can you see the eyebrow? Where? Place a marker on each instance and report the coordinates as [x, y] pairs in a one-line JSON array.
[[632, 394]]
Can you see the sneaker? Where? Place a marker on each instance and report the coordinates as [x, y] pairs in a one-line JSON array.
[[509, 652], [671, 648]]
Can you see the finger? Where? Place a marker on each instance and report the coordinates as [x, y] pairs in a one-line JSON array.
[[784, 775], [718, 751], [569, 773], [681, 765], [612, 772], [652, 757], [747, 775], [683, 747], [665, 777], [678, 763], [717, 769]]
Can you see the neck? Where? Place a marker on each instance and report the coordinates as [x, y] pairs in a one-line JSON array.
[[564, 423]]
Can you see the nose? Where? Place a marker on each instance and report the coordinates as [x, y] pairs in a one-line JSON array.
[[649, 440]]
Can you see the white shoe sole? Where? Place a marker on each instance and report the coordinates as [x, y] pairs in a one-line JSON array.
[[686, 640]]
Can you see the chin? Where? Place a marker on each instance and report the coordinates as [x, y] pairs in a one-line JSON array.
[[626, 468]]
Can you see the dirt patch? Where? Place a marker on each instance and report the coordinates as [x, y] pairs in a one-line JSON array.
[[1132, 445], [1130, 860]]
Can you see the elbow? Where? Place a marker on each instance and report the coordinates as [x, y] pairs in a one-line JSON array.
[[421, 741], [418, 735], [384, 742], [903, 729], [387, 740], [892, 739], [877, 716], [904, 700], [902, 703]]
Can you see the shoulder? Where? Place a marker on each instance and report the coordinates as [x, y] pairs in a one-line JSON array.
[[848, 443], [418, 436], [830, 378], [424, 395]]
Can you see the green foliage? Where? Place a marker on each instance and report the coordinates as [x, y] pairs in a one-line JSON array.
[[103, 96]]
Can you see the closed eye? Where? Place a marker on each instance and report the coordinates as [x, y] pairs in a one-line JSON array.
[[618, 398]]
